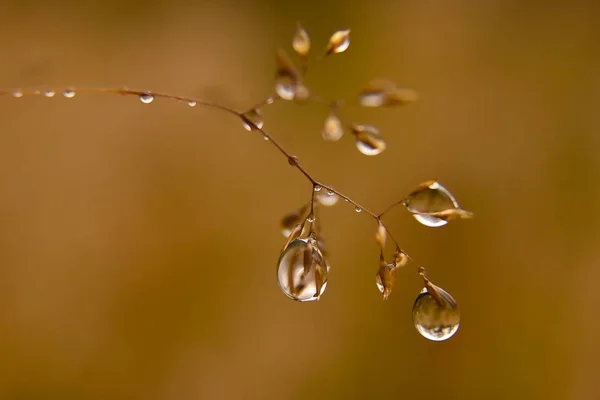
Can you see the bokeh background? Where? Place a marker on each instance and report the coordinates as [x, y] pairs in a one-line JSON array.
[[138, 242]]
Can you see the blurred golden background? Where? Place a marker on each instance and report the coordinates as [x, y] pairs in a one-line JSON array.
[[138, 242]]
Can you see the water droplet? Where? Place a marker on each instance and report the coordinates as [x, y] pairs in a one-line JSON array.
[[17, 94], [385, 279], [252, 119], [338, 42], [192, 103], [317, 188], [368, 140], [327, 199], [270, 100], [266, 138], [49, 93], [146, 98], [302, 271], [332, 129], [310, 219], [286, 77], [285, 89], [301, 41], [357, 209], [430, 197], [435, 313], [69, 93]]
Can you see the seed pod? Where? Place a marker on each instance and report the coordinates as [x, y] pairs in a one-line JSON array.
[[338, 42]]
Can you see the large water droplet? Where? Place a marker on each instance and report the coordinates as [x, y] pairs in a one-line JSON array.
[[146, 98], [368, 140], [302, 271], [435, 313], [430, 197]]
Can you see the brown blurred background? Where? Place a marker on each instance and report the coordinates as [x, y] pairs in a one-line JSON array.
[[138, 242]]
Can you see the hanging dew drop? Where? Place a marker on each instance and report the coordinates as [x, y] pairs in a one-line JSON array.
[[317, 188], [435, 313], [49, 93], [69, 93], [358, 209], [146, 98], [192, 103], [17, 94], [302, 271]]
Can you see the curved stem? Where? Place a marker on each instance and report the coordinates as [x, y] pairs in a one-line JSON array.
[[292, 160]]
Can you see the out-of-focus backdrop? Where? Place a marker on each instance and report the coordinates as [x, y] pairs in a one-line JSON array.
[[138, 243]]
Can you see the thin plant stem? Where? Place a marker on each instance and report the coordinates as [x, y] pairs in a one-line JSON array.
[[292, 160]]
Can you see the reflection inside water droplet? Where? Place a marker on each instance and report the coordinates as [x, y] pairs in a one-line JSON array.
[[146, 98], [301, 271], [69, 93], [430, 197], [436, 319]]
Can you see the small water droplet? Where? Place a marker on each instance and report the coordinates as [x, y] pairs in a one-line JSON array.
[[436, 316], [330, 193], [192, 103], [69, 93], [17, 94], [146, 98], [266, 138], [317, 188], [252, 119], [270, 100], [49, 93], [285, 88], [302, 271], [310, 219], [357, 209]]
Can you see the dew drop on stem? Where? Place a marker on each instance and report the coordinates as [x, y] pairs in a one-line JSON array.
[[69, 93], [146, 98]]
